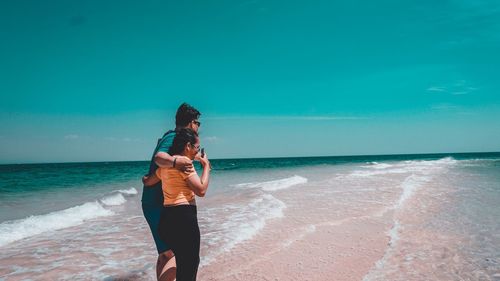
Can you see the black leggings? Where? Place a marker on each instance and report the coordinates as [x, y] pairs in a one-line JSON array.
[[179, 229]]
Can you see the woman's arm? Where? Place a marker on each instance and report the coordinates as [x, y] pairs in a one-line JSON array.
[[165, 160], [150, 180], [200, 185]]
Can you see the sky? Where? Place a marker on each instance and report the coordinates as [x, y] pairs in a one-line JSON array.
[[101, 80]]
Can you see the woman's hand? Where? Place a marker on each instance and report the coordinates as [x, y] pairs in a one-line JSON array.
[[199, 185], [203, 160]]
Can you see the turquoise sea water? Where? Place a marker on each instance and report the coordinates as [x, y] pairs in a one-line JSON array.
[[40, 188], [97, 207]]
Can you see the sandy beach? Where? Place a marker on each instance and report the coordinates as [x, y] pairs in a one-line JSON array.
[[316, 239], [393, 220]]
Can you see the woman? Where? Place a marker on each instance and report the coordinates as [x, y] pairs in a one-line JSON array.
[[179, 222]]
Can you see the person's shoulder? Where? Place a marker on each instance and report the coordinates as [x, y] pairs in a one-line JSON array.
[[168, 135], [182, 156], [166, 141]]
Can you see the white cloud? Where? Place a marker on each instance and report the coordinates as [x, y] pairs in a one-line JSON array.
[[445, 106], [436, 89], [71, 137], [460, 87], [319, 118], [129, 139], [211, 139], [121, 139], [288, 117]]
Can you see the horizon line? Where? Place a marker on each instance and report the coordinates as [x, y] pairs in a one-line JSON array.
[[278, 157]]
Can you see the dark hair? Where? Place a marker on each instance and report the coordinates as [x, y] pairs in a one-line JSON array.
[[185, 114], [182, 137]]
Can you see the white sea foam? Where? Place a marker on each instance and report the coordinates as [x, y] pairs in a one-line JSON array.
[[410, 185], [241, 222], [418, 166], [299, 235], [380, 264], [376, 165], [117, 197], [113, 200], [394, 233], [11, 231], [130, 191], [275, 184], [478, 162], [421, 172]]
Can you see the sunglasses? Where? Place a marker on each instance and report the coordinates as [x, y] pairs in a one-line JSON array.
[[198, 123]]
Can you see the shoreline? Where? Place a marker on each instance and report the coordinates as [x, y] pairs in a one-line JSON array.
[[371, 221], [361, 157]]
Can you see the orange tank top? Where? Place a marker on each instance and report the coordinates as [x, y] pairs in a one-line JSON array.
[[174, 185]]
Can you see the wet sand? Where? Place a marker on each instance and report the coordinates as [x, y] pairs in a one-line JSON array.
[[316, 239]]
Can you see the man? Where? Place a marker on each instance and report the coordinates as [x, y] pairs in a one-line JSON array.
[[152, 196]]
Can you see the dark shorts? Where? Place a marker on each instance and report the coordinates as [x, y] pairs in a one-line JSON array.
[[152, 205]]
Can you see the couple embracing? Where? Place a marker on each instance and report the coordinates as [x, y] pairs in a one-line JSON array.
[[168, 198]]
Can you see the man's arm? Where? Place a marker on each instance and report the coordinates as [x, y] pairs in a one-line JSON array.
[[150, 180], [163, 159]]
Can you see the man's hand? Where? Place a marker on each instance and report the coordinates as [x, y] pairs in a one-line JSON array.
[[184, 165], [150, 180]]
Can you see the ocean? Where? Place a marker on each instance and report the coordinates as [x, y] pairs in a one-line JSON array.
[[394, 217]]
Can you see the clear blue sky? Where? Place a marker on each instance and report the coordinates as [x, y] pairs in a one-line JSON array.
[[101, 80]]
